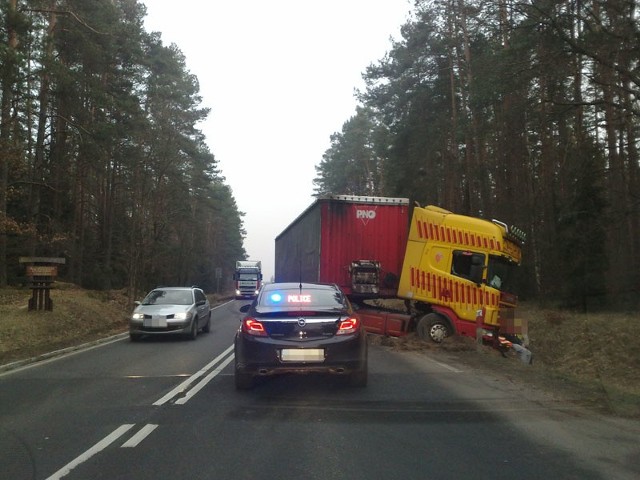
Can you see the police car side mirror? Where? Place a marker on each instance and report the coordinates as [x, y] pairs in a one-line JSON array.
[[245, 308]]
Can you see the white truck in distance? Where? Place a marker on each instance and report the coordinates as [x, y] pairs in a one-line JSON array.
[[247, 278]]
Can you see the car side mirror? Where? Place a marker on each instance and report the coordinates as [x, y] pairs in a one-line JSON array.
[[245, 308]]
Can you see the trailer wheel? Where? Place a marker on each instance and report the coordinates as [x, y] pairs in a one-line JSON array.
[[433, 327]]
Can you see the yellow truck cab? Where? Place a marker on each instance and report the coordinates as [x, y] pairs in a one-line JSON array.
[[459, 271]]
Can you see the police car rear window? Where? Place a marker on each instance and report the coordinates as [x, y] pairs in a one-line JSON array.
[[302, 298]]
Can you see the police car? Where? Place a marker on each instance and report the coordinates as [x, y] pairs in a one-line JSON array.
[[300, 328]]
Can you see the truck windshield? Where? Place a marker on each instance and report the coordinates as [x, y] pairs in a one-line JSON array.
[[500, 273], [248, 276]]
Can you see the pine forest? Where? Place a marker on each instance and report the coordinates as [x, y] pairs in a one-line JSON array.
[[523, 111]]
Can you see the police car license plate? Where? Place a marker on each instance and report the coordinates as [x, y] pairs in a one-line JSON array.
[[302, 355]]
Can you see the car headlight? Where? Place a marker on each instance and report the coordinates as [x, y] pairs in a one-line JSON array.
[[182, 316], [137, 316]]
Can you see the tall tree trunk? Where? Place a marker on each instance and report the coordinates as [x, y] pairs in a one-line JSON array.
[[633, 189], [478, 176], [451, 155], [7, 147], [616, 185], [43, 100], [547, 233], [511, 195]]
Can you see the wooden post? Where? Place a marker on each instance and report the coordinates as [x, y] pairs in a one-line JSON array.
[[42, 272]]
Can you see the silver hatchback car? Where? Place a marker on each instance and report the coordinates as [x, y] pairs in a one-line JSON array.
[[169, 311]]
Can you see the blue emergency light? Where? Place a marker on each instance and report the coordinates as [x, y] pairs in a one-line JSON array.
[[276, 297]]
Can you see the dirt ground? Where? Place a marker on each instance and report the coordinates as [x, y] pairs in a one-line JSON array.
[[592, 360]]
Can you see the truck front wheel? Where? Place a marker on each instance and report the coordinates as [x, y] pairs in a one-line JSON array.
[[433, 327]]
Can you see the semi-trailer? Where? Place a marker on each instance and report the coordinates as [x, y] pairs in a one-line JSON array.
[[453, 272]]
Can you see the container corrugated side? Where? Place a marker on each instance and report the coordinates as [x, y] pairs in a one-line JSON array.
[[297, 249], [363, 230], [335, 231]]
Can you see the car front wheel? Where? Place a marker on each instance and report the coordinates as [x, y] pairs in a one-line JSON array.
[[193, 332]]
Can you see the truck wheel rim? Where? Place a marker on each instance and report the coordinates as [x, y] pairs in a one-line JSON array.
[[438, 333]]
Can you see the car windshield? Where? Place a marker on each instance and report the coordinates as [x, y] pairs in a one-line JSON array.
[[169, 297], [316, 298], [248, 276]]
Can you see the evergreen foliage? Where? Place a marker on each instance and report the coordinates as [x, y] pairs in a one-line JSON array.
[[524, 112], [102, 160]]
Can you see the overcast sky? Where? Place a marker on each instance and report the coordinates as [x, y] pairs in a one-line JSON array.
[[279, 77]]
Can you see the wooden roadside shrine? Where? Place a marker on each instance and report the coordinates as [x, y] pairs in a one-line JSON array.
[[41, 272]]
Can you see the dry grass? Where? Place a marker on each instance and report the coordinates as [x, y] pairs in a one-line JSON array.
[[597, 356], [593, 360], [78, 316]]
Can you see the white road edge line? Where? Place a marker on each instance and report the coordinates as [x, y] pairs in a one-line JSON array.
[[183, 386], [222, 305], [444, 365], [138, 437], [98, 447], [204, 381]]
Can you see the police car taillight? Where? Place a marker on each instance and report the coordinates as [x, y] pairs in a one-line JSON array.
[[251, 326], [350, 325]]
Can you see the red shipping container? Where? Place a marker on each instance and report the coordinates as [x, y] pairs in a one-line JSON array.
[[334, 231]]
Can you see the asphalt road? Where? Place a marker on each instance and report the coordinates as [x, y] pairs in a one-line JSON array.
[[167, 409]]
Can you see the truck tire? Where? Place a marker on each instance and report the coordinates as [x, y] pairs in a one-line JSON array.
[[433, 327]]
